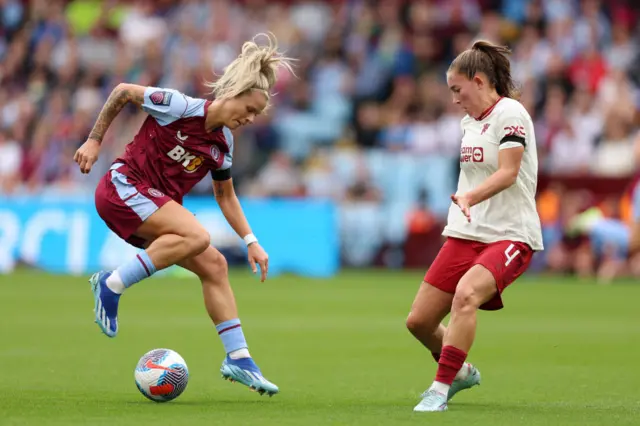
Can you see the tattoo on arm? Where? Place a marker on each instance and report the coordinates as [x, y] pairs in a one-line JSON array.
[[115, 103], [218, 188]]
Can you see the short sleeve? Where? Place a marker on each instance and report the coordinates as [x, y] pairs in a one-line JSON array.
[[511, 129], [169, 105], [228, 157], [224, 172]]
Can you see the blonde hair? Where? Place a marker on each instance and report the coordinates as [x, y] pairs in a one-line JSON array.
[[254, 69]]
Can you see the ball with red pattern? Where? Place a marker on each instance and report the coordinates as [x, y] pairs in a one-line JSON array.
[[161, 375]]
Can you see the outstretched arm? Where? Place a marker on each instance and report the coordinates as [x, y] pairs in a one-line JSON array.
[[119, 97], [232, 211], [123, 93], [230, 206]]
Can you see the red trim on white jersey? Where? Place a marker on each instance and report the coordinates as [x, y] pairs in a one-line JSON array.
[[487, 111]]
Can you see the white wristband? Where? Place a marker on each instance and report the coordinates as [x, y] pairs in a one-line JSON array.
[[250, 239]]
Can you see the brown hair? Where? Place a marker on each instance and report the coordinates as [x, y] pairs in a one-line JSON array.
[[493, 61]]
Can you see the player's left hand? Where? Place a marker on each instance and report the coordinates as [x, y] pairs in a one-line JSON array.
[[259, 256], [464, 203]]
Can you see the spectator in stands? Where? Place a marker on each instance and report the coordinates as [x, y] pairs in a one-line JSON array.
[[10, 162], [370, 74]]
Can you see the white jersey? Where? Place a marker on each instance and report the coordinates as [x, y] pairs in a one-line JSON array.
[[510, 214]]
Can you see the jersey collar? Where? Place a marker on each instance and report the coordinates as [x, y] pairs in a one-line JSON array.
[[487, 111]]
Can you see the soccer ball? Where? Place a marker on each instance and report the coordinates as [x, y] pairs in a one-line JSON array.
[[161, 375]]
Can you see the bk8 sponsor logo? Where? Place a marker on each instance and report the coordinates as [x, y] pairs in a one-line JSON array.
[[190, 162]]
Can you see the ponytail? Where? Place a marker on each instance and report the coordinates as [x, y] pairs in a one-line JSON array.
[[493, 61]]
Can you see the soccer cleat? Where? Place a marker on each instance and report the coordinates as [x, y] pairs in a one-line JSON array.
[[472, 379], [106, 304], [245, 371], [432, 400]]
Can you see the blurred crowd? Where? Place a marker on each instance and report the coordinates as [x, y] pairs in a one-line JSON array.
[[367, 121]]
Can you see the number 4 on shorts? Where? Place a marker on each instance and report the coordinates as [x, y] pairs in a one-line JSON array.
[[510, 254]]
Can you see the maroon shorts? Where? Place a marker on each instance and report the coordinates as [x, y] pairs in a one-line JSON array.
[[506, 260], [124, 203]]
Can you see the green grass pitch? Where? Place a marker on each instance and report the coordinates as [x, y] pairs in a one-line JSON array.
[[562, 352]]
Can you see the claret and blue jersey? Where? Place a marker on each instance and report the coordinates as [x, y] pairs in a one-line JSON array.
[[173, 151]]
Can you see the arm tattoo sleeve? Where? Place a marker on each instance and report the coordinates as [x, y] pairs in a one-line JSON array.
[[115, 103]]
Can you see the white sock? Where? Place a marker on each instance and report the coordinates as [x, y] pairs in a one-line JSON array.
[[440, 388], [115, 284], [239, 353], [463, 373]]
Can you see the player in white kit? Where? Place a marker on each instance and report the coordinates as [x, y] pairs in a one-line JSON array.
[[493, 227]]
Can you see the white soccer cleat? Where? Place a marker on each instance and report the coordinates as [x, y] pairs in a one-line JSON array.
[[432, 400]]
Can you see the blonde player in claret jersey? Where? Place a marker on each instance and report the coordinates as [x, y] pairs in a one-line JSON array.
[[182, 140], [493, 227]]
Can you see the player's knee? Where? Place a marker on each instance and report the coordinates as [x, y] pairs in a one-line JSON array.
[[198, 242], [465, 299], [419, 323], [413, 322], [219, 267], [215, 268]]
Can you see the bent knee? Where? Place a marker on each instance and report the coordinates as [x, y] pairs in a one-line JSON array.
[[414, 323], [419, 323], [214, 267], [198, 241], [465, 299], [219, 264]]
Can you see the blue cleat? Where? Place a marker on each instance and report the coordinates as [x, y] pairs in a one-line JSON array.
[[245, 371], [106, 304]]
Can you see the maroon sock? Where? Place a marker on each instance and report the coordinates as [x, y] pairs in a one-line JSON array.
[[436, 356], [451, 361]]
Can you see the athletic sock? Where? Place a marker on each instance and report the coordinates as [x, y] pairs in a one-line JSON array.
[[131, 272], [451, 361], [235, 345]]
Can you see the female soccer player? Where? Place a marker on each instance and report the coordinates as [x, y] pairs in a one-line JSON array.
[[140, 198], [493, 226]]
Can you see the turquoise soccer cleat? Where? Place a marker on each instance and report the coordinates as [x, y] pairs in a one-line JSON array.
[[245, 371], [472, 379]]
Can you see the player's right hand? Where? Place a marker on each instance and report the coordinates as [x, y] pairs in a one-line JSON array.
[[462, 201], [87, 155]]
